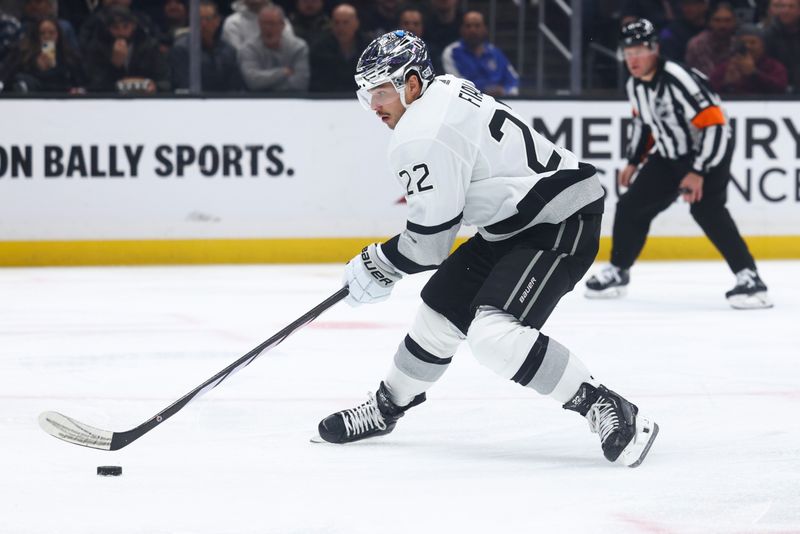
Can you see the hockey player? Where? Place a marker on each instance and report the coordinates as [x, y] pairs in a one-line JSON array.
[[462, 156], [677, 114]]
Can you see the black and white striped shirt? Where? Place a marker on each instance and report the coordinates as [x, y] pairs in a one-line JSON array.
[[682, 114]]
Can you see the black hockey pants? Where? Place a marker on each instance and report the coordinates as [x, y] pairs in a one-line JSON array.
[[655, 189]]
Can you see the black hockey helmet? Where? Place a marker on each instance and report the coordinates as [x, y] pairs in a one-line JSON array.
[[638, 32]]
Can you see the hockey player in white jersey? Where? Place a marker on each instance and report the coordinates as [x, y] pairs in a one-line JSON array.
[[464, 157]]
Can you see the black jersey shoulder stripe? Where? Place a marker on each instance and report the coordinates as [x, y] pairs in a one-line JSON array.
[[539, 196], [430, 230], [390, 250]]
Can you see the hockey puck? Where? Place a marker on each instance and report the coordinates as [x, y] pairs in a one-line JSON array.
[[109, 470]]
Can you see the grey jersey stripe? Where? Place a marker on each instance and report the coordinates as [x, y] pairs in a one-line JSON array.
[[427, 249]]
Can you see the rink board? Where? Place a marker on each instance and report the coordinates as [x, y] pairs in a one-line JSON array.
[[291, 180], [42, 253]]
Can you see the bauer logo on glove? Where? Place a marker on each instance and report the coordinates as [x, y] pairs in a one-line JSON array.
[[369, 276], [373, 270]]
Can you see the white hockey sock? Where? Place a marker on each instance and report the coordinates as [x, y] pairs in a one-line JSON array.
[[423, 356], [525, 355]]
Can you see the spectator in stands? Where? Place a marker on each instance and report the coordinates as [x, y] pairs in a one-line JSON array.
[[174, 20], [473, 57], [76, 11], [96, 26], [242, 26], [659, 12], [412, 19], [769, 16], [309, 20], [45, 62], [35, 10], [714, 45], [750, 70], [10, 8], [123, 58], [747, 11], [219, 67], [275, 61], [379, 17], [10, 34], [335, 55], [691, 20], [782, 38], [444, 24]]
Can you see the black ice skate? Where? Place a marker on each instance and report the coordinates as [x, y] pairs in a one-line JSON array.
[[376, 417], [609, 283], [624, 434], [749, 293]]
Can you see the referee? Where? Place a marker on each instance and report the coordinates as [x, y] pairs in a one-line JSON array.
[[681, 133]]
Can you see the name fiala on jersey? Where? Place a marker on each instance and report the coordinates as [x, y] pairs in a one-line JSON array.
[[471, 94]]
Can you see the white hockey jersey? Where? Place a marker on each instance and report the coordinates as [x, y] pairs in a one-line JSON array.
[[462, 156]]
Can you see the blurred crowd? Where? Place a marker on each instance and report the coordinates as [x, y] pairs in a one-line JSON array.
[[142, 46], [742, 46]]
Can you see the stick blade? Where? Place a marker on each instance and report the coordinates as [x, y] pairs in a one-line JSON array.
[[72, 431]]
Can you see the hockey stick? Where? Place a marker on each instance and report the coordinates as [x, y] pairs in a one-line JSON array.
[[72, 431]]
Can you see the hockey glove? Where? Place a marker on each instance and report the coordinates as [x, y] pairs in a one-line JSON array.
[[369, 277]]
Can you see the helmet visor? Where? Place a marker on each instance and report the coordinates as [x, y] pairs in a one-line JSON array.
[[372, 99], [637, 51]]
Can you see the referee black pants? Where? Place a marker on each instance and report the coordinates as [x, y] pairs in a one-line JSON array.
[[655, 189]]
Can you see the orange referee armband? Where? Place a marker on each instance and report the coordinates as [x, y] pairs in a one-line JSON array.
[[710, 116]]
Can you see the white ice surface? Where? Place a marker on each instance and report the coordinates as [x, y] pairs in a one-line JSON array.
[[113, 346]]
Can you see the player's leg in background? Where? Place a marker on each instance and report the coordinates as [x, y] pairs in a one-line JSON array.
[[512, 306]]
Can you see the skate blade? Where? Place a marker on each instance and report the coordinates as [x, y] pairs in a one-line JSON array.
[[636, 451], [608, 293], [757, 301], [317, 439]]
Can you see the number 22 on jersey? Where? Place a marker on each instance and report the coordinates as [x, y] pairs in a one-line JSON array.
[[416, 183]]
